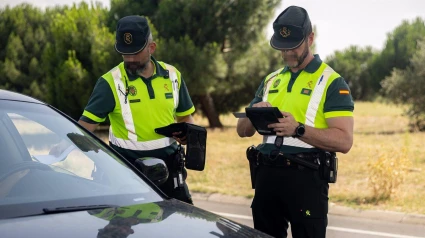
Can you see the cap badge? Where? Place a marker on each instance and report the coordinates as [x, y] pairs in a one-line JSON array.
[[285, 32], [128, 38]]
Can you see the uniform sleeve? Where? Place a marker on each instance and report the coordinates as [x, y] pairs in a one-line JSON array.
[[258, 95], [100, 104], [339, 102], [185, 106]]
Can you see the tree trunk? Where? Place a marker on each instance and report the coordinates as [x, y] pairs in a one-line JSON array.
[[208, 108]]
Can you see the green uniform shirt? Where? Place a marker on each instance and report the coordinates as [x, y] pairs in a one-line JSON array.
[[293, 92], [142, 93]]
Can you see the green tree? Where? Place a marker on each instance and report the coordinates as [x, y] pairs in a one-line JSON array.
[[249, 70], [122, 8], [352, 63], [81, 51], [400, 46], [407, 87], [24, 31]]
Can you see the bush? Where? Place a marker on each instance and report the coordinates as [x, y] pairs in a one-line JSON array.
[[387, 172]]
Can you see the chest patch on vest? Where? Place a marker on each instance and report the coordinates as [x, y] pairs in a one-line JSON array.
[[166, 87], [306, 91], [134, 100], [168, 95], [132, 90], [274, 91], [276, 83]]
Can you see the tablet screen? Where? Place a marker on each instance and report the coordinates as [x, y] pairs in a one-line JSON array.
[[261, 117]]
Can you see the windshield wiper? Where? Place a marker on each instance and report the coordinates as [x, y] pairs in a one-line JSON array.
[[75, 208]]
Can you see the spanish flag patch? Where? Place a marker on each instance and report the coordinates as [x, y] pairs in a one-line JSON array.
[[344, 91]]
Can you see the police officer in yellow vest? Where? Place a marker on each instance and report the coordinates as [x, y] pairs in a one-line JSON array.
[[139, 95], [317, 121]]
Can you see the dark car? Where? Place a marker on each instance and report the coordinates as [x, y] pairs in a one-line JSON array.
[[58, 180]]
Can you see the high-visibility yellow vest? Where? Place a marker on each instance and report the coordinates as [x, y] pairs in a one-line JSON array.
[[305, 102], [135, 115]]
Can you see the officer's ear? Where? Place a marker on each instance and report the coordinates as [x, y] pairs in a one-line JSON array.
[[310, 39], [151, 47]]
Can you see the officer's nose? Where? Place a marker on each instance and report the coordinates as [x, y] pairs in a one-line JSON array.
[[285, 51], [129, 58]]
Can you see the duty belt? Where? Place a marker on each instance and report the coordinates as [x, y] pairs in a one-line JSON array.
[[310, 160]]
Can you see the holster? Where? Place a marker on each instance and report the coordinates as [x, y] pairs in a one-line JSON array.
[[178, 172], [252, 156], [328, 167]]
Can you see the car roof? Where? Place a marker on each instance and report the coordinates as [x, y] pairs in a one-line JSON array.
[[12, 96]]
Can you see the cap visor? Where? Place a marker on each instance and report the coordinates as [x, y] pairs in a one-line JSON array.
[[128, 50], [284, 45]]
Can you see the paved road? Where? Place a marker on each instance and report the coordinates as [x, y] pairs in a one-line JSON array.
[[339, 226]]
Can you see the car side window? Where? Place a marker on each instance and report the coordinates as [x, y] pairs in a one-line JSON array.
[[46, 147]]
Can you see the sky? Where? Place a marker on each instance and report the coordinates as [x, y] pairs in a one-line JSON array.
[[339, 23]]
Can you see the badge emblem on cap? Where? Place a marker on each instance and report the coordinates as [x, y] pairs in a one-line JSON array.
[[285, 32], [128, 38]]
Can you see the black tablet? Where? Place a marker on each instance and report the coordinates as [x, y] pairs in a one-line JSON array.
[[196, 147], [170, 129], [196, 137], [261, 117]]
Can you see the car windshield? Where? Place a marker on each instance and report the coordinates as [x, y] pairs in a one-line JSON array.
[[48, 162]]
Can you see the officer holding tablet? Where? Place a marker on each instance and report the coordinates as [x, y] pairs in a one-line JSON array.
[[138, 96], [291, 169]]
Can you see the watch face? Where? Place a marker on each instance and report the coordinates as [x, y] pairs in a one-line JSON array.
[[300, 130]]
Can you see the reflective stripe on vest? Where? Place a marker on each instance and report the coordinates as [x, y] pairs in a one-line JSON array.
[[312, 108], [268, 84], [125, 107], [139, 145], [316, 97], [131, 143], [174, 84]]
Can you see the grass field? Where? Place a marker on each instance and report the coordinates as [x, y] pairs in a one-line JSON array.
[[380, 131]]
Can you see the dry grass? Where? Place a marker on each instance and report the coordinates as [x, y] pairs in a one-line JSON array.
[[378, 128]]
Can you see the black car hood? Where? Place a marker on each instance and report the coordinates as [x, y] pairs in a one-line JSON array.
[[170, 218]]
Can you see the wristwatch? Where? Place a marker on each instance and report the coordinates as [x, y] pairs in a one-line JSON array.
[[299, 131]]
